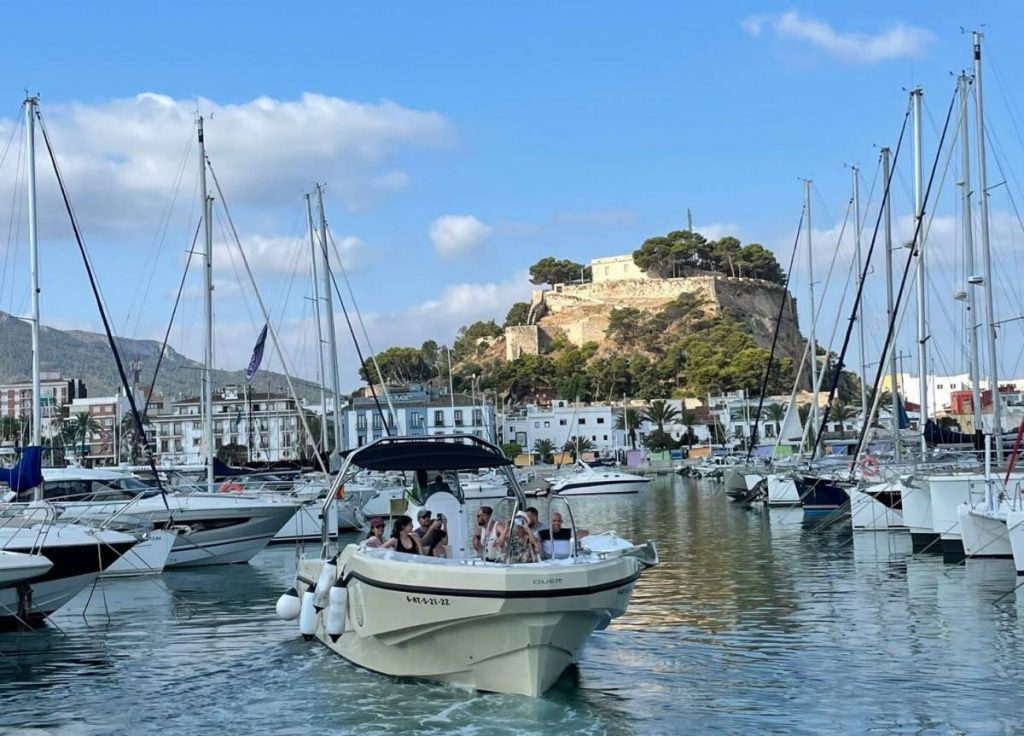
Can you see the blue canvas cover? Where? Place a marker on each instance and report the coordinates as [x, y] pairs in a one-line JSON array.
[[27, 472]]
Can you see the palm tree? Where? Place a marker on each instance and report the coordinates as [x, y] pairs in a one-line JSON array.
[[687, 417], [577, 446], [85, 425], [660, 413], [8, 428], [775, 413], [628, 419], [841, 412], [544, 448]]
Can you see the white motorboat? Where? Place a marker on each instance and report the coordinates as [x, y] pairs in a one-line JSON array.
[[78, 555], [588, 481], [509, 627], [17, 567], [209, 528]]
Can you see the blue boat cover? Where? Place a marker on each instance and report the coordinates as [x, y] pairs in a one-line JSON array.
[[27, 472]]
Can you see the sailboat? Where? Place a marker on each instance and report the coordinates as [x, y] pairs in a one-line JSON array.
[[77, 554]]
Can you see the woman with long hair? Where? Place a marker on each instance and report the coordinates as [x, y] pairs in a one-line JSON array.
[[402, 538]]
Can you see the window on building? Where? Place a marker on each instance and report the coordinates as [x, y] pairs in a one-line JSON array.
[[562, 422], [547, 424], [417, 420], [360, 421], [600, 420], [439, 418], [478, 416], [582, 420], [593, 437], [458, 417], [605, 438], [376, 421], [536, 425]]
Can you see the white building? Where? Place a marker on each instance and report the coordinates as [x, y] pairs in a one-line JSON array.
[[266, 423], [102, 445], [418, 410], [940, 388], [560, 422], [56, 392]]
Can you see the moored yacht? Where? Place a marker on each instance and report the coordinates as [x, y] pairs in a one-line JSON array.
[[498, 625], [584, 480]]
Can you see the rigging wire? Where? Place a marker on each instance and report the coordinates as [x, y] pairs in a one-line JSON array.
[[90, 272], [775, 335], [170, 322], [903, 281], [270, 328]]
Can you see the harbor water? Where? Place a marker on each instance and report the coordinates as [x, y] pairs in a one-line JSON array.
[[753, 623]]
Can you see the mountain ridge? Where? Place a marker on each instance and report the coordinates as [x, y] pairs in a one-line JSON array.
[[84, 355]]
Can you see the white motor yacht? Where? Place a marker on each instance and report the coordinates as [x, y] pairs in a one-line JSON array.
[[17, 567], [510, 627], [77, 555], [587, 481], [208, 528]]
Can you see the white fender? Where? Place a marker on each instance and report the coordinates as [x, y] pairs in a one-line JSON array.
[[337, 609], [308, 618], [288, 605], [328, 574]]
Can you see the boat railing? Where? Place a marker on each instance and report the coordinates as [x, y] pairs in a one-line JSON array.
[[20, 516]]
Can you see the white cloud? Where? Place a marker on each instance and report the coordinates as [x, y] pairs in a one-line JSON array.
[[278, 254], [122, 157], [457, 234], [897, 41]]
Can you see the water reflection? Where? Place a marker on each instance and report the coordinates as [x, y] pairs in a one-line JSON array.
[[755, 622]]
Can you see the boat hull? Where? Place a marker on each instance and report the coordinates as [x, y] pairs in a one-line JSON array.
[[509, 629], [820, 495], [877, 507], [599, 488], [76, 565], [984, 534], [148, 557], [306, 524]]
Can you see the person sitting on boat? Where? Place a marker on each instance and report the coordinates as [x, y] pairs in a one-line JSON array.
[[484, 529], [428, 530], [402, 537], [519, 545], [375, 537], [439, 485], [556, 542], [536, 525], [440, 549]]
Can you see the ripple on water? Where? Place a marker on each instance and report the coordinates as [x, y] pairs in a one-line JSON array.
[[753, 623]]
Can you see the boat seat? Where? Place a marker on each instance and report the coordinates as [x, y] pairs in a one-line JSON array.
[[443, 502]]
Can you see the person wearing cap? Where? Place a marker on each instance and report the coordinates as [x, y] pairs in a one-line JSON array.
[[428, 531], [375, 537]]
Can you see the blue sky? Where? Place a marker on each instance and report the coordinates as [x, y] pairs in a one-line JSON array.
[[567, 129]]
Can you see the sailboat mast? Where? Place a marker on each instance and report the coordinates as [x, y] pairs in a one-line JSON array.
[[965, 193], [860, 309], [33, 249], [319, 329], [922, 286], [890, 309], [332, 339], [207, 399], [813, 352], [986, 255]]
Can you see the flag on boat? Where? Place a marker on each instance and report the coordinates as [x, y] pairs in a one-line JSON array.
[[901, 413], [257, 355]]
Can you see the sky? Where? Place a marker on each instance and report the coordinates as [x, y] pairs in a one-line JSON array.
[[460, 142]]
